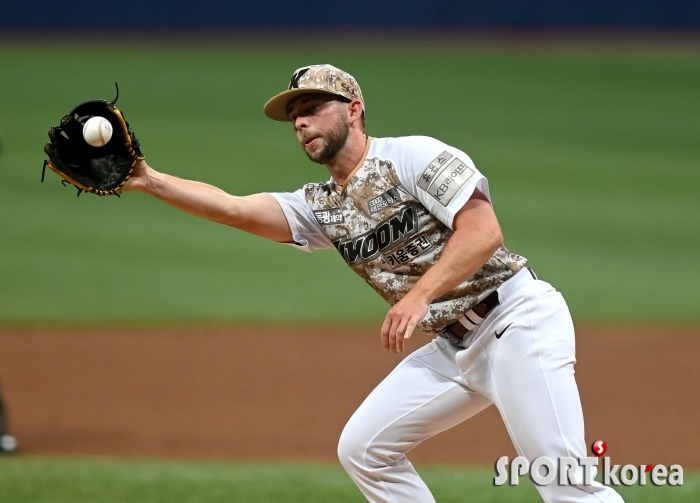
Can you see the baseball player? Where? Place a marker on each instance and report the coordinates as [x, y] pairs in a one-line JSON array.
[[413, 217]]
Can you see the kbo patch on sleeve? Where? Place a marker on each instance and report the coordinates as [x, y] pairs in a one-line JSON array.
[[442, 179], [433, 168]]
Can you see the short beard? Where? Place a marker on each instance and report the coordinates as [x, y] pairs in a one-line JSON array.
[[335, 138]]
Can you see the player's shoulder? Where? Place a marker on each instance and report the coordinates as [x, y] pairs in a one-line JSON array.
[[414, 149], [407, 144], [412, 155]]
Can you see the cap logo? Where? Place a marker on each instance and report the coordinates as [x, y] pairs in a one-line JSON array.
[[342, 86], [294, 83]]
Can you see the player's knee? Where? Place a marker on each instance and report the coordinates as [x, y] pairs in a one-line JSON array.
[[364, 450], [350, 449]]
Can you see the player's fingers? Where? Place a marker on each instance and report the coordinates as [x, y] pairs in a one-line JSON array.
[[385, 332], [392, 339], [385, 342], [406, 332], [392, 336], [400, 331], [411, 327]]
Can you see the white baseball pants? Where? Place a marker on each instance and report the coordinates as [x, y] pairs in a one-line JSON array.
[[528, 373]]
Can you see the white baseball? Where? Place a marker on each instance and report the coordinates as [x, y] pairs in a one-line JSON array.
[[97, 131]]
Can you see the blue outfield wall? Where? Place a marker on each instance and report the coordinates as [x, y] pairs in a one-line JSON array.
[[353, 14]]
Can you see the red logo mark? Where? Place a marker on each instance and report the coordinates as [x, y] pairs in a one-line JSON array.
[[648, 468], [599, 447]]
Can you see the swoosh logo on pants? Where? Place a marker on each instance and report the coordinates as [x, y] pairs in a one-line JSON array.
[[498, 336]]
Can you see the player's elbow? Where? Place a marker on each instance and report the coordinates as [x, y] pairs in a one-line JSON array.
[[488, 235], [494, 238], [477, 223], [234, 213], [232, 218]]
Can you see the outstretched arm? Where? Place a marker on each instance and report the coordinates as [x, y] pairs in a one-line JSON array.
[[258, 214], [476, 237]]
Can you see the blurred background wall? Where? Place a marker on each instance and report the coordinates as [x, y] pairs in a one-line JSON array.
[[355, 14]]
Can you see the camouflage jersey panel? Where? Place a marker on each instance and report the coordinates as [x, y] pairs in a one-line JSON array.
[[390, 239]]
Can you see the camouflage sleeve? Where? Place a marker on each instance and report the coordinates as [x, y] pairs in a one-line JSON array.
[[441, 177], [306, 231]]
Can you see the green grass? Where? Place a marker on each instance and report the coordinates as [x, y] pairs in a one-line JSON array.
[[59, 480], [592, 159]]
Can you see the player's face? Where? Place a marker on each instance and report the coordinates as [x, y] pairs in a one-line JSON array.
[[321, 125]]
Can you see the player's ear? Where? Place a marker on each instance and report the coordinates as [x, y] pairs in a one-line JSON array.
[[355, 110]]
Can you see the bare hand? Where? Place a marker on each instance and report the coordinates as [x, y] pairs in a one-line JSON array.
[[138, 179], [401, 320]]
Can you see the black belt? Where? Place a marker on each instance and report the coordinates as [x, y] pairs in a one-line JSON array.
[[474, 317], [456, 331]]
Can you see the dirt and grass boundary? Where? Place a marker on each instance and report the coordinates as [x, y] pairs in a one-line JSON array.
[[284, 393]]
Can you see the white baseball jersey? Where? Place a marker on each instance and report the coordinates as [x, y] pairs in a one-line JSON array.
[[393, 218]]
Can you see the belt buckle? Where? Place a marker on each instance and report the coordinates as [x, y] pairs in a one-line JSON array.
[[446, 334]]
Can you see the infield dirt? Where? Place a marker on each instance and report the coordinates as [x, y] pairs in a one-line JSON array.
[[276, 393]]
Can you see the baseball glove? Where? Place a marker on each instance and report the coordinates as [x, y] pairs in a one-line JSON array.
[[100, 170]]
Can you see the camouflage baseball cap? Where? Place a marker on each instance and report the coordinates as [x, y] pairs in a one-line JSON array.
[[325, 79]]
